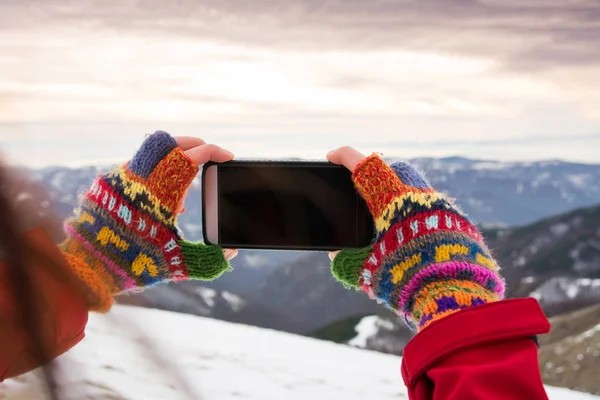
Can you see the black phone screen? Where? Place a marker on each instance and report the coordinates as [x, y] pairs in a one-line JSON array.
[[290, 205]]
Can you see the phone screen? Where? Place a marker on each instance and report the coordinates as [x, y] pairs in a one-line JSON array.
[[290, 205]]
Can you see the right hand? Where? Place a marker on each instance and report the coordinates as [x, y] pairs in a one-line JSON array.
[[428, 260]]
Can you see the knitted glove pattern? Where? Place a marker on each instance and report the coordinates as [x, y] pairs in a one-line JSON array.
[[124, 236], [428, 260]]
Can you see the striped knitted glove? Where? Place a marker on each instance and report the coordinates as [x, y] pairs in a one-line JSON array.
[[124, 236], [428, 260]]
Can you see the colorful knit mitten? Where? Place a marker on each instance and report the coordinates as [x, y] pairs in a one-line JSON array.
[[124, 236], [428, 260]]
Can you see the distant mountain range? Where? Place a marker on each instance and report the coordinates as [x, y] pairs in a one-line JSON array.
[[514, 193], [570, 353], [556, 260], [491, 192]]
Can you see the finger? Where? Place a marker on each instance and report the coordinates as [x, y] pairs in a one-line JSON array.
[[332, 254], [188, 142], [346, 156], [209, 152], [230, 254]]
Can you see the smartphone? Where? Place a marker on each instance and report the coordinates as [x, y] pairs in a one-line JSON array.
[[283, 205]]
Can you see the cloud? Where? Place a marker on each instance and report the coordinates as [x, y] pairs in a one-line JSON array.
[[489, 70]]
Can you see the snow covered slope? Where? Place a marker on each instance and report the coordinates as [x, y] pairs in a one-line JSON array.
[[135, 353]]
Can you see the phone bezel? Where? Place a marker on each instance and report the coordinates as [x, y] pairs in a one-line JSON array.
[[210, 164], [210, 203]]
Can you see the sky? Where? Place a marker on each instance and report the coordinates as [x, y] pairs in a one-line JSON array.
[[83, 81]]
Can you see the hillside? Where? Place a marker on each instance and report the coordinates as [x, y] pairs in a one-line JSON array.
[[570, 354], [382, 332], [556, 260], [306, 290], [135, 353], [203, 300]]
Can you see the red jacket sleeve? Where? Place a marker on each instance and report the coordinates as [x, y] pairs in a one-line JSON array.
[[62, 309], [487, 352]]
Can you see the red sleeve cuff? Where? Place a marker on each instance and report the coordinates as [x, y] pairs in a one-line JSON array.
[[477, 326]]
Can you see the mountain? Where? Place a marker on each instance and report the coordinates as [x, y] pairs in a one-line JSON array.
[[491, 192], [306, 290], [569, 355], [556, 260], [133, 353], [251, 267], [202, 300], [514, 193], [382, 332]]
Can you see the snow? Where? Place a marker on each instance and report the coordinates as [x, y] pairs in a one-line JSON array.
[[521, 261], [365, 329], [208, 295], [566, 394], [559, 229], [491, 165], [578, 180], [57, 180], [134, 353], [528, 279], [386, 324], [234, 301], [256, 260], [559, 289]]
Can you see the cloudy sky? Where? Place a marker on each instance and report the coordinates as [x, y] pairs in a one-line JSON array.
[[82, 81]]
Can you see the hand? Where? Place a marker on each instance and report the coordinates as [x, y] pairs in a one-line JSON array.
[[428, 260], [124, 236], [201, 153]]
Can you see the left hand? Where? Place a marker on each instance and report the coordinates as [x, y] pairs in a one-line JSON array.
[[201, 153], [124, 236]]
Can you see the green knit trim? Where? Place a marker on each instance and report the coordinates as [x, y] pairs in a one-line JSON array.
[[347, 265], [205, 263]]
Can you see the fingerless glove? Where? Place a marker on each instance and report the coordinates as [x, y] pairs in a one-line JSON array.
[[124, 236], [428, 259]]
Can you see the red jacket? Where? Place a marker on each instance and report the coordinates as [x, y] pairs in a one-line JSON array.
[[485, 352]]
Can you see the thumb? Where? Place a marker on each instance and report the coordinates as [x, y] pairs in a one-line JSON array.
[[204, 262], [347, 265]]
